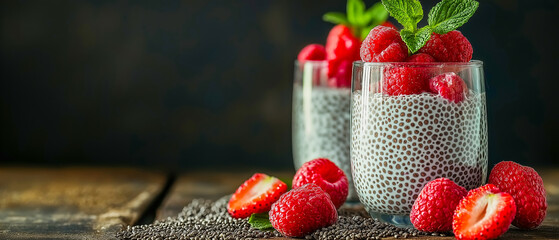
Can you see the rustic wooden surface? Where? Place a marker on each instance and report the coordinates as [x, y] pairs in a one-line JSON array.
[[212, 185], [73, 203], [95, 203]]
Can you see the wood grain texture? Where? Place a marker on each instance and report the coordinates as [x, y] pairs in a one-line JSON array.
[[73, 203]]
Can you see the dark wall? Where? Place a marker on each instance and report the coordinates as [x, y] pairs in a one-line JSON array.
[[187, 84]]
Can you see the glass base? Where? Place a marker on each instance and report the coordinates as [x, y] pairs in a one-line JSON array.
[[402, 221]]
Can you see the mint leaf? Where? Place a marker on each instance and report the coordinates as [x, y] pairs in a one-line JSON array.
[[260, 221], [355, 9], [406, 12], [335, 18], [416, 39], [449, 15]]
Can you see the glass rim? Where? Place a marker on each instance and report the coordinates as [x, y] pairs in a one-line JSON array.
[[472, 63]]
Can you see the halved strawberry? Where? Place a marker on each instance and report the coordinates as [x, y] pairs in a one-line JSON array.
[[485, 213], [255, 195]]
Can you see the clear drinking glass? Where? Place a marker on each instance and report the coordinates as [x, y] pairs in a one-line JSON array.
[[320, 119], [399, 143]]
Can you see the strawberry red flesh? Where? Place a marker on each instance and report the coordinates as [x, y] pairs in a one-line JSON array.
[[485, 213], [255, 195]]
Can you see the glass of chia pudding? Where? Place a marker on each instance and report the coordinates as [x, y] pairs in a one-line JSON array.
[[321, 118], [399, 142]]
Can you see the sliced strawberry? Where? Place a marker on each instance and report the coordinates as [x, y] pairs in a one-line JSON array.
[[485, 213], [255, 195]]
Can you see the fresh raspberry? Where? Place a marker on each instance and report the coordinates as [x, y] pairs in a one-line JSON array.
[[383, 44], [448, 47], [325, 174], [526, 187], [340, 73], [405, 80], [433, 209], [255, 195], [449, 86], [389, 24], [313, 52], [302, 211], [342, 44], [420, 57], [485, 213]]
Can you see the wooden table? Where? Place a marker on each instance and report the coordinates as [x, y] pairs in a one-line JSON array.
[[95, 203]]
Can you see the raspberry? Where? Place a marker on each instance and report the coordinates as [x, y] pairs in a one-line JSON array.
[[485, 213], [325, 174], [312, 52], [383, 44], [302, 211], [449, 86], [433, 209], [388, 24], [448, 47], [420, 57], [405, 80], [526, 187]]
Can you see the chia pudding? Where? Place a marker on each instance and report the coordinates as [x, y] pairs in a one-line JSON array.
[[321, 119], [399, 143]]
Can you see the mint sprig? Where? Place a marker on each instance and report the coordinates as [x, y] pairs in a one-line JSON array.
[[260, 221], [446, 16], [406, 12], [358, 18], [449, 15]]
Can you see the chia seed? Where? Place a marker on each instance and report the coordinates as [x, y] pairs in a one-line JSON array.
[[206, 219]]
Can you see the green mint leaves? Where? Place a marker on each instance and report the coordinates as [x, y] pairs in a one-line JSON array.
[[416, 39], [358, 18], [260, 221], [406, 12], [446, 16], [449, 15]]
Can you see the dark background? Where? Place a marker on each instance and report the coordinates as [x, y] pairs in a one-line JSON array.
[[203, 84]]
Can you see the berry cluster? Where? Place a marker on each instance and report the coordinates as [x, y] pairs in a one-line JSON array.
[[319, 189], [344, 40], [514, 194], [437, 42]]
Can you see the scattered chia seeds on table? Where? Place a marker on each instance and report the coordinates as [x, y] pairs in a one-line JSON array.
[[205, 219]]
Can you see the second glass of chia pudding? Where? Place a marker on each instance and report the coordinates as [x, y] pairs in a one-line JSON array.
[[321, 118]]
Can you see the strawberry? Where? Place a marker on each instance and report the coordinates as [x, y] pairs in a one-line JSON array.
[[340, 73], [325, 174], [449, 86], [433, 209], [342, 48], [485, 213], [313, 52], [383, 44], [342, 44], [255, 195], [344, 40], [302, 211], [526, 187]]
